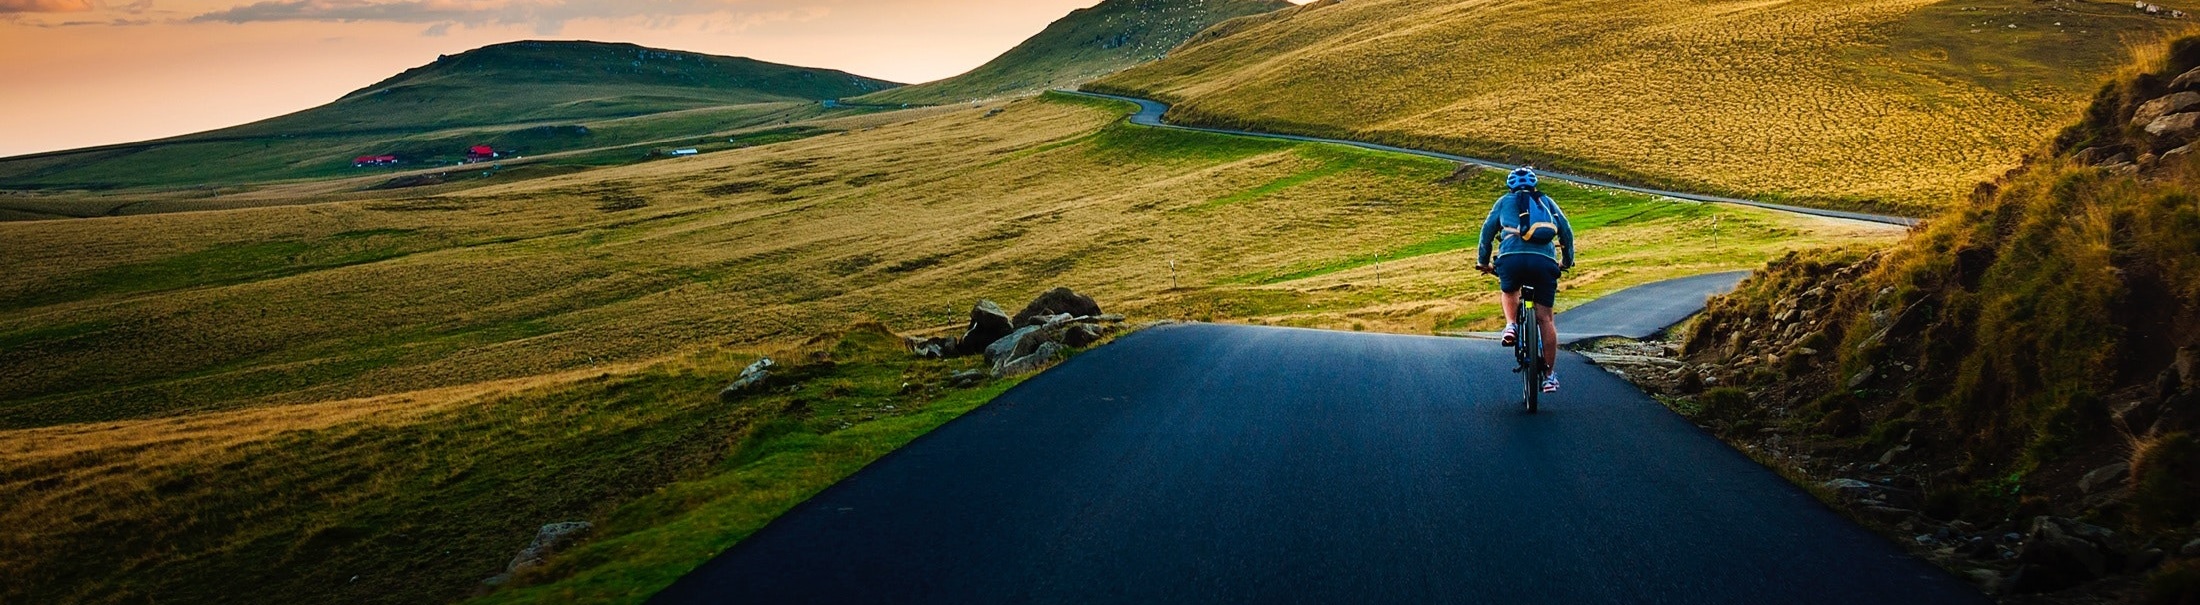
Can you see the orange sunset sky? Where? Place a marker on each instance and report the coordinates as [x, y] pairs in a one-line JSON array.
[[76, 73]]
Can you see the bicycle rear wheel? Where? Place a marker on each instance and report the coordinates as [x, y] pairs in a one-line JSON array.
[[1531, 357]]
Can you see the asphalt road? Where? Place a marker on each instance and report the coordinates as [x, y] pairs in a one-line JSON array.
[[1151, 111], [1644, 310], [1233, 464]]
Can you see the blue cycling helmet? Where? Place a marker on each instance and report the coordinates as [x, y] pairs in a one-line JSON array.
[[1521, 178]]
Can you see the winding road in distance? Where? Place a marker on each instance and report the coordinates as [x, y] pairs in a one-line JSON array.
[[1151, 111]]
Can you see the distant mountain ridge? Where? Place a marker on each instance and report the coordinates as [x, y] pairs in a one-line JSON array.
[[1086, 44], [568, 80], [475, 97]]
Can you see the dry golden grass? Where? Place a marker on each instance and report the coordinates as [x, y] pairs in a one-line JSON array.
[[1893, 104], [906, 223]]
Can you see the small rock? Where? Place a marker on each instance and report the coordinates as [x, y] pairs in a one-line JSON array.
[[1851, 488], [934, 348], [2190, 549], [1604, 359], [2173, 125], [2102, 477], [1888, 458], [988, 323], [1005, 348], [2187, 365], [1861, 377], [965, 379], [1080, 335], [1047, 352], [2173, 103], [1057, 301], [751, 377], [1805, 352], [548, 541], [2189, 79], [2173, 154]]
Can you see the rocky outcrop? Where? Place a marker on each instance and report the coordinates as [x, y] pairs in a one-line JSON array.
[[1030, 347], [752, 378], [1057, 321], [549, 540]]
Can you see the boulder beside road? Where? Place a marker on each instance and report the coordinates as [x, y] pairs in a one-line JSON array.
[[1019, 344]]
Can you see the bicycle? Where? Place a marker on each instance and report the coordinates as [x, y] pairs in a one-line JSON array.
[[1527, 348], [1528, 351]]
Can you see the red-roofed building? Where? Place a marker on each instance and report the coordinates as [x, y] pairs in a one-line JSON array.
[[480, 153], [373, 160]]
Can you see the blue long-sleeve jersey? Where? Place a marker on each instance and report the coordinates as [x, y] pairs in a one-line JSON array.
[[1505, 213]]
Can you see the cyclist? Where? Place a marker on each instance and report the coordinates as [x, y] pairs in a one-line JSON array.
[[1521, 262]]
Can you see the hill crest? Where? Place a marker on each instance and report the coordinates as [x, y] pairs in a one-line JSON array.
[[1086, 44]]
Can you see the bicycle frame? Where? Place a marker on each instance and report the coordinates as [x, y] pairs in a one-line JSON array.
[[1528, 351]]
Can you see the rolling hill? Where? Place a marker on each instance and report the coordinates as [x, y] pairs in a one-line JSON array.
[[531, 97], [1087, 44], [1889, 104]]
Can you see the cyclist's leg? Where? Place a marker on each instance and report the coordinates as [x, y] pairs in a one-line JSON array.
[[1541, 274], [1549, 319], [1508, 287], [1508, 298]]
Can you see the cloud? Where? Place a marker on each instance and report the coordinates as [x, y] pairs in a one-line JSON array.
[[544, 15], [45, 6]]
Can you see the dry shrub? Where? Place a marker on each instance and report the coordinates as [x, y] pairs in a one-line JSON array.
[[2165, 481]]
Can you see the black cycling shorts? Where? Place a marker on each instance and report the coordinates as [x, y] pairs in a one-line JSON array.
[[1531, 270]]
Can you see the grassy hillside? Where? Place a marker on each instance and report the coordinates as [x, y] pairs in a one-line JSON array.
[[270, 401], [524, 97], [419, 498], [2044, 329], [1087, 44], [1889, 104], [142, 316]]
